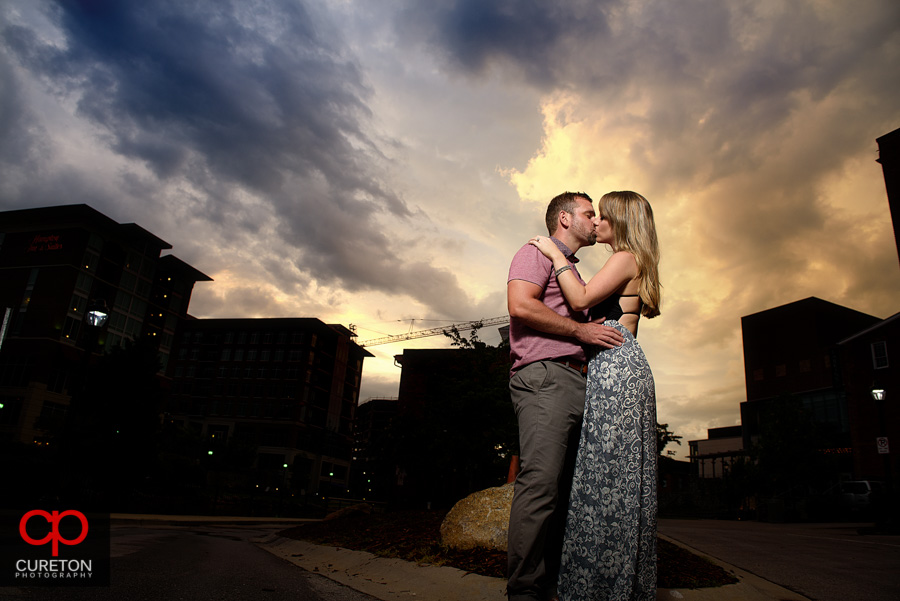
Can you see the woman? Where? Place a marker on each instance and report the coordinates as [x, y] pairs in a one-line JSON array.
[[609, 551]]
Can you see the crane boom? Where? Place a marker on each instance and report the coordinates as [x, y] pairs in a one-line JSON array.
[[466, 325]]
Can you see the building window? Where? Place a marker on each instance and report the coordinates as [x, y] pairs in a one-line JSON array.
[[57, 380], [52, 416], [805, 366], [781, 370], [127, 281], [83, 282], [879, 355], [70, 329], [90, 260], [95, 241], [758, 374], [77, 305]]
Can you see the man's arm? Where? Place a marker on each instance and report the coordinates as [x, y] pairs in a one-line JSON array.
[[524, 303]]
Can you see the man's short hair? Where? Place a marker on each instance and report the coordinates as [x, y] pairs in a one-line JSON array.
[[563, 202]]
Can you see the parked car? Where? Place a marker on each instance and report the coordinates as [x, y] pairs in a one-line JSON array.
[[858, 497]]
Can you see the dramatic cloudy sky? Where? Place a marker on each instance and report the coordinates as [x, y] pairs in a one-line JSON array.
[[371, 162]]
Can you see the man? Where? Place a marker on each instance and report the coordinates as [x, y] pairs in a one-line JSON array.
[[547, 386]]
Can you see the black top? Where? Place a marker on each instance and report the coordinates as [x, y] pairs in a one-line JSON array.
[[611, 309]]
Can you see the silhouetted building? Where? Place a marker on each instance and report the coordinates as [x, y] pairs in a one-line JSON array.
[[791, 353], [54, 263], [867, 367], [284, 387], [455, 424], [889, 157], [715, 455], [372, 474]]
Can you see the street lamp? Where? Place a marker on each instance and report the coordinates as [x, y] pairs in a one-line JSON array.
[[97, 313], [882, 444], [878, 395]]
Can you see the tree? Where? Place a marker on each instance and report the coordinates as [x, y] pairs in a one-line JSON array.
[[460, 341], [664, 437]]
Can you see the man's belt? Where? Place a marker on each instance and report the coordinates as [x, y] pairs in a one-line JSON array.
[[578, 366]]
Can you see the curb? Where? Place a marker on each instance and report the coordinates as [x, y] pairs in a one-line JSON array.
[[749, 587], [383, 578], [398, 580]]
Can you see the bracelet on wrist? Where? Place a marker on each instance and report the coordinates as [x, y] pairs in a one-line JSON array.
[[562, 269]]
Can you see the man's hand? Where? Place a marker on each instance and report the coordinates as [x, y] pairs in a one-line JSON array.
[[598, 334]]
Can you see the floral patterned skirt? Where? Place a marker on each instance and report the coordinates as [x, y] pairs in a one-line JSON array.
[[609, 552]]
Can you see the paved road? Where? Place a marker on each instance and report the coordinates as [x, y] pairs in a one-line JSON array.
[[211, 563], [825, 562]]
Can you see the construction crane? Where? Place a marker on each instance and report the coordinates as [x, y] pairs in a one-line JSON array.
[[466, 325]]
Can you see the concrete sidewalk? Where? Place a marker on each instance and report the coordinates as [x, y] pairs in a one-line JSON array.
[[398, 580]]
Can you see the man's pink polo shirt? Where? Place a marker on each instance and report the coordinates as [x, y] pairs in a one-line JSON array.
[[528, 345]]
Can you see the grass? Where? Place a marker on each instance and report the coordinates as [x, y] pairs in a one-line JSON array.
[[415, 536]]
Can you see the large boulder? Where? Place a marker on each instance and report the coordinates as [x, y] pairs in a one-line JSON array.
[[479, 520]]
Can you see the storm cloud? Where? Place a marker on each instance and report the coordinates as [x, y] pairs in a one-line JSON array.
[[378, 162]]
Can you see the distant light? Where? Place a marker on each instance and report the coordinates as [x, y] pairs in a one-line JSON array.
[[878, 394], [209, 452]]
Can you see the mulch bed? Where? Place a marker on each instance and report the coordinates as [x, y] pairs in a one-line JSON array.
[[415, 536]]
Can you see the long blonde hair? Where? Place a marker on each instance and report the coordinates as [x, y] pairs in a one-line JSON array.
[[631, 219]]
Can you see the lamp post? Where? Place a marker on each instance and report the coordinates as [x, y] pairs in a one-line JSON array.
[[886, 515], [83, 442], [95, 319]]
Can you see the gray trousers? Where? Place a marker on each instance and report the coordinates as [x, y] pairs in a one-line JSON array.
[[549, 401]]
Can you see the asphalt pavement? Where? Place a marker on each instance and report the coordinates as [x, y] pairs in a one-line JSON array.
[[772, 562], [823, 561]]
